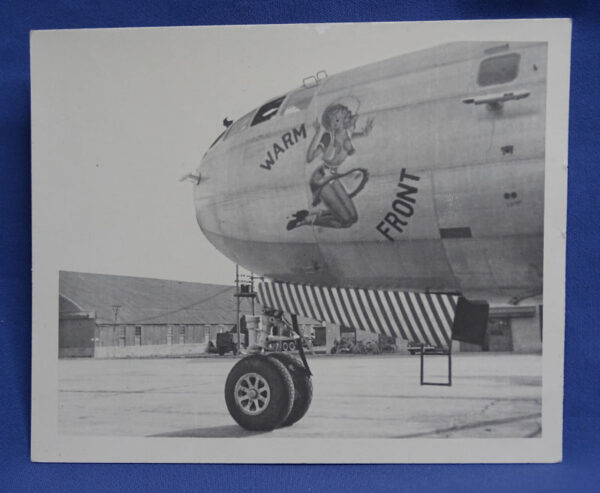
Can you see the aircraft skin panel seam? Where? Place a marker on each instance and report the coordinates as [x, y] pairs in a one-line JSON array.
[[528, 160], [368, 242], [437, 218]]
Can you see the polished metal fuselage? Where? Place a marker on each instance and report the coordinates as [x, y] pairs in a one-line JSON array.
[[454, 199]]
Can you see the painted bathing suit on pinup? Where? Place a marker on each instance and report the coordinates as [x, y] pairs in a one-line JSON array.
[[333, 191], [334, 154]]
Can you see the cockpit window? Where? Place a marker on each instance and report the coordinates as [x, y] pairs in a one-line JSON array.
[[240, 125], [499, 69], [267, 111], [299, 100]]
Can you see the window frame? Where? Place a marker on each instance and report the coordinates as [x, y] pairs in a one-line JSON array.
[[272, 101], [513, 55], [233, 128], [284, 106]]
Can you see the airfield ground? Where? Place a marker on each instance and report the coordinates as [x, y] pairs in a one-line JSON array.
[[493, 395]]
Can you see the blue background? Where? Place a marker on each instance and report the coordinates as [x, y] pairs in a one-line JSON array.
[[582, 397]]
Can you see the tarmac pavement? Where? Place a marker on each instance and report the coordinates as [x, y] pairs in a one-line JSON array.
[[493, 395]]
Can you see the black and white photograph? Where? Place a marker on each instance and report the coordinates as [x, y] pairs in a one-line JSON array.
[[300, 243]]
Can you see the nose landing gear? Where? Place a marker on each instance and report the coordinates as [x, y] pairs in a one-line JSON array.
[[302, 387], [259, 393], [264, 392]]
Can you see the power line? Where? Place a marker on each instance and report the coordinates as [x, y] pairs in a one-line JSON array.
[[180, 309]]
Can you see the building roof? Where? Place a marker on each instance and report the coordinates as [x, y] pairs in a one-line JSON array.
[[147, 301]]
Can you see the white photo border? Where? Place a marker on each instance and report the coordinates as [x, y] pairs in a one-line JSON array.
[[47, 445]]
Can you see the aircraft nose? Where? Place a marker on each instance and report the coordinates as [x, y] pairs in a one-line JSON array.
[[204, 195]]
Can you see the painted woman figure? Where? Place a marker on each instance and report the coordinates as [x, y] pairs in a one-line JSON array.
[[333, 143]]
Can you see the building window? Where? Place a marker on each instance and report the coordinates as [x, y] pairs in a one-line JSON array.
[[267, 111], [499, 69], [182, 334], [122, 335], [138, 335], [170, 335]]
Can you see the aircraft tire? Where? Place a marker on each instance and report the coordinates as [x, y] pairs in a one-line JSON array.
[[259, 393], [303, 389]]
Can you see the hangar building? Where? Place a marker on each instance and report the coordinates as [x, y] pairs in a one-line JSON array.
[[118, 316]]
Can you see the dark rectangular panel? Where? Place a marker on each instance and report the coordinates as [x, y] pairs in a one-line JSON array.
[[448, 233], [470, 321]]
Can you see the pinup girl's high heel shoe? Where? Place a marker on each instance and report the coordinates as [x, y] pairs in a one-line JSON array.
[[298, 220]]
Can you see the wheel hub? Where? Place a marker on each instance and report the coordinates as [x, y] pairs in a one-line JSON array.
[[252, 393]]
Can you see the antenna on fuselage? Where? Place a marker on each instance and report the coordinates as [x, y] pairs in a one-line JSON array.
[[313, 80]]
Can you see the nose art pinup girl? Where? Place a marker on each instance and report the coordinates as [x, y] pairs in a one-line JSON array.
[[333, 142]]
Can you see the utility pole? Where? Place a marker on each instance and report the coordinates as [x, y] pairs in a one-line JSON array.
[[116, 311]]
